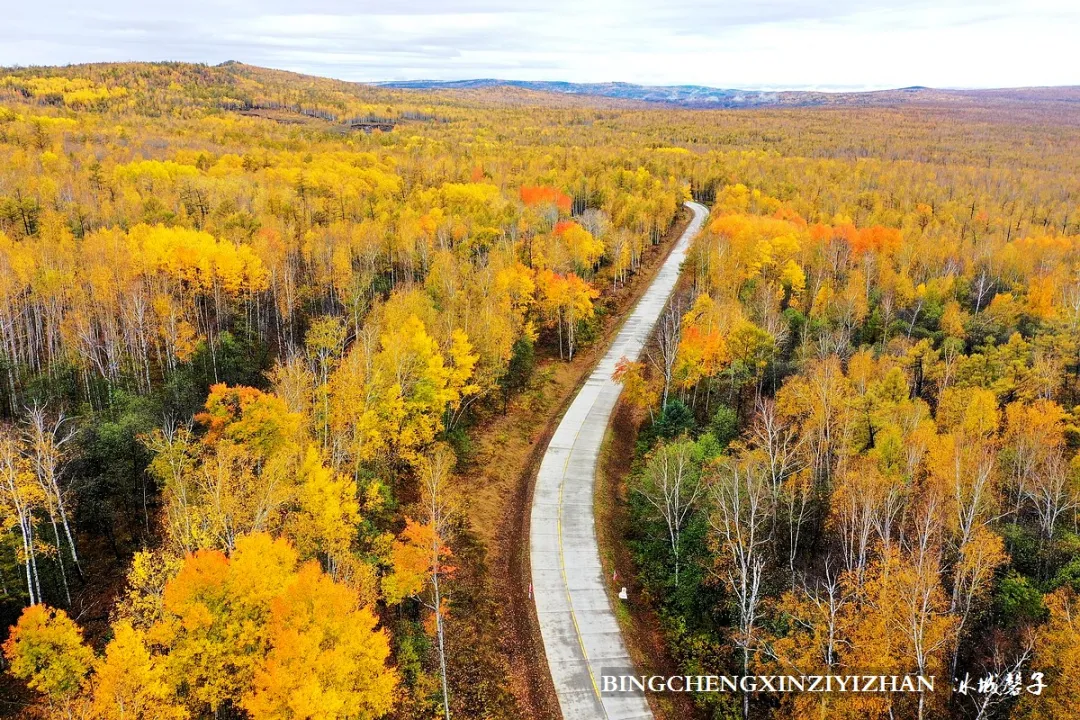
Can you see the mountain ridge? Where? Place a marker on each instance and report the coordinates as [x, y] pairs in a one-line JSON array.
[[704, 97]]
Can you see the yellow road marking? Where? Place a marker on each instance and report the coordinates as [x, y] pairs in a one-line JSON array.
[[562, 568]]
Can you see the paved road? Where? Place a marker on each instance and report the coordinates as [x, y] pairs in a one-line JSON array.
[[581, 635]]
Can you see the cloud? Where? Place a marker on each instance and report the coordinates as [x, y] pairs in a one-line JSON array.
[[770, 44]]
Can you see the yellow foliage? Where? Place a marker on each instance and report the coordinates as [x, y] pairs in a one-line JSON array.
[[1057, 656], [132, 684], [326, 659], [46, 649]]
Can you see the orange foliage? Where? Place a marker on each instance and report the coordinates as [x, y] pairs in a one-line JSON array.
[[248, 416], [535, 195], [878, 239]]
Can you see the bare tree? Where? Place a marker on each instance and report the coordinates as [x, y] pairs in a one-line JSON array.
[[672, 484], [854, 509], [830, 599], [19, 495], [173, 465], [436, 498], [778, 439], [786, 460], [740, 520], [921, 611], [987, 705], [668, 336], [45, 440], [596, 221], [1051, 493]]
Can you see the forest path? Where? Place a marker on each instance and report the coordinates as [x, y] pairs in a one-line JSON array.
[[577, 623]]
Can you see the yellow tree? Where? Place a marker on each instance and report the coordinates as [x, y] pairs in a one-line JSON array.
[[324, 342], [415, 387], [326, 659], [241, 630], [328, 512], [973, 574], [898, 624], [1057, 656], [568, 300], [812, 641], [819, 402], [639, 392], [462, 389], [213, 628], [46, 650], [130, 683], [238, 477], [584, 249], [359, 433]]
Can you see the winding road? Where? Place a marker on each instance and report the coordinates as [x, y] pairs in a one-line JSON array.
[[581, 635]]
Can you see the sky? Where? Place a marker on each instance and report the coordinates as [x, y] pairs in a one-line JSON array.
[[748, 44]]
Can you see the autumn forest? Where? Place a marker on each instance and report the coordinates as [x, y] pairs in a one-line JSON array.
[[277, 354]]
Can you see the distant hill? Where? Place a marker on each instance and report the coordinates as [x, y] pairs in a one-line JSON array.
[[699, 96], [236, 86], [686, 95]]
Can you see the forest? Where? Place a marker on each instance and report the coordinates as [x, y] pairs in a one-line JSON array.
[[255, 327]]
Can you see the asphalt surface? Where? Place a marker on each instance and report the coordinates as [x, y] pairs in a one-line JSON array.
[[580, 633]]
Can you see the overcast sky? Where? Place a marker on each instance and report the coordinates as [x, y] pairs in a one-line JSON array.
[[828, 44]]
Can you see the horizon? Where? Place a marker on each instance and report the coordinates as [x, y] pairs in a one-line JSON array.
[[835, 90], [763, 89]]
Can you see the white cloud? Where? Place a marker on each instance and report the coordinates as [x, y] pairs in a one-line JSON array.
[[771, 44]]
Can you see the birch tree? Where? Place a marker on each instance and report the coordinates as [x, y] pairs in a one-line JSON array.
[[436, 499], [45, 443], [1052, 493], [420, 557], [668, 336], [20, 496], [742, 511], [789, 477], [672, 485]]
